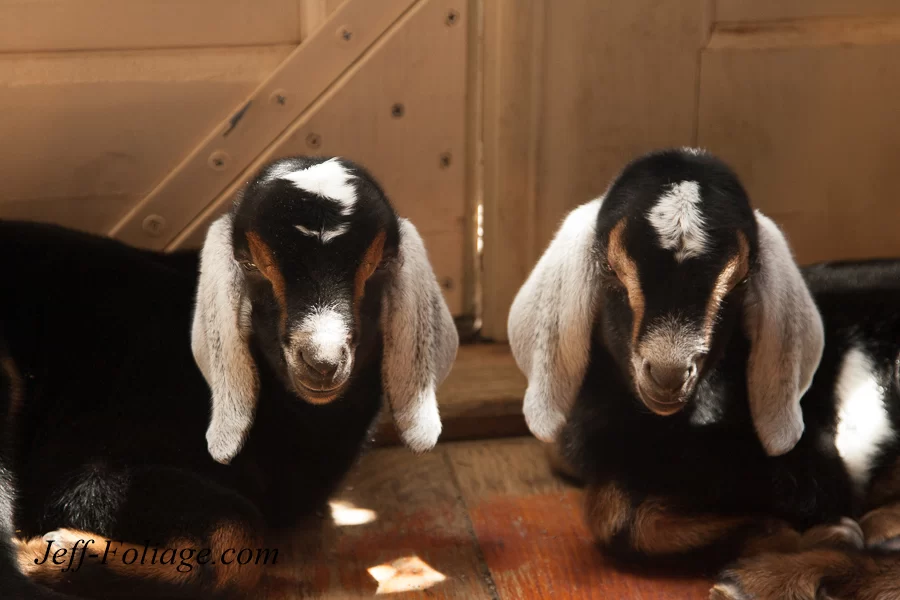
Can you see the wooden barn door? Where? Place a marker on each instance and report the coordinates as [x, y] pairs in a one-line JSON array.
[[800, 96], [140, 119]]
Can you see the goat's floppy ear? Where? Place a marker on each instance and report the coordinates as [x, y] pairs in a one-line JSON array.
[[551, 319], [219, 340], [786, 337], [420, 342]]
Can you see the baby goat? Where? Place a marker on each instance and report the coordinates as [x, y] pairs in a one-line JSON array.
[[314, 300], [677, 355]]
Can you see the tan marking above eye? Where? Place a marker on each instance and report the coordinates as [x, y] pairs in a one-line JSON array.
[[370, 261], [734, 271], [264, 259], [627, 272]]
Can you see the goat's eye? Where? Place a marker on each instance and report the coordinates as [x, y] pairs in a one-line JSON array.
[[612, 273], [248, 266]]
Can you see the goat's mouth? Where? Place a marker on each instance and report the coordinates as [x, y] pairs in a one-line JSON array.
[[663, 405], [315, 394]]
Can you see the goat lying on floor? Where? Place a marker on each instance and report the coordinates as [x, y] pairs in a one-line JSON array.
[[314, 299], [677, 356]]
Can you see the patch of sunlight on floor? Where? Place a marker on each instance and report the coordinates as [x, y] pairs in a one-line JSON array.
[[405, 574], [345, 513]]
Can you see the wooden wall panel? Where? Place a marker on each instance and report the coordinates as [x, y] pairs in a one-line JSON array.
[[419, 157], [41, 25], [771, 10], [255, 123], [610, 80], [513, 64], [812, 132], [85, 135]]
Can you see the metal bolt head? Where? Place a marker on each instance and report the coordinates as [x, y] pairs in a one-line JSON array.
[[154, 225], [345, 33], [446, 159], [313, 140], [452, 18], [398, 110]]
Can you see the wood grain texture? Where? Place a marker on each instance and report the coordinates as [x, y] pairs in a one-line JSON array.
[[773, 10], [531, 529], [613, 80], [419, 64], [52, 25], [486, 515], [772, 35], [299, 80], [314, 13], [513, 71], [418, 513], [87, 134], [810, 132], [480, 399]]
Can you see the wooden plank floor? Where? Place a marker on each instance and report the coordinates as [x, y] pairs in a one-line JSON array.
[[481, 398], [468, 521]]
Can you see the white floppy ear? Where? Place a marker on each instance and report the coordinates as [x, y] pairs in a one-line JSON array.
[[786, 341], [420, 342], [219, 340], [551, 319]]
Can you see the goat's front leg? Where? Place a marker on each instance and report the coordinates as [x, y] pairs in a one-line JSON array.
[[651, 527]]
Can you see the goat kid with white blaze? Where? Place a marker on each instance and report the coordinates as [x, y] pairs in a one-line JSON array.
[[676, 356], [297, 337]]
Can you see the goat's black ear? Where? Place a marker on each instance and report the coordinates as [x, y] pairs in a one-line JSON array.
[[420, 343], [219, 340], [787, 338], [551, 319]]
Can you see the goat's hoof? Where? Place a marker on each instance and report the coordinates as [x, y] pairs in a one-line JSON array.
[[727, 591], [846, 534], [881, 528]]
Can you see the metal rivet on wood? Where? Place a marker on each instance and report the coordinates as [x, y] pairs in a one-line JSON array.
[[218, 160], [154, 224], [314, 140], [278, 98]]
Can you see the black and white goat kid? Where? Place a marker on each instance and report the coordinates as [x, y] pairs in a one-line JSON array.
[[314, 300], [717, 401]]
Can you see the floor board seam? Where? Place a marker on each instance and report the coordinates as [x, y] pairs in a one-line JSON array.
[[482, 562]]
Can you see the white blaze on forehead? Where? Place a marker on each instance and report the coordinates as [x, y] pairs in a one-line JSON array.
[[678, 221], [325, 334], [325, 235], [693, 151], [329, 179], [863, 422]]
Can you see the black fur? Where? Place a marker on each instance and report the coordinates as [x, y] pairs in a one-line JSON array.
[[111, 437], [707, 458]]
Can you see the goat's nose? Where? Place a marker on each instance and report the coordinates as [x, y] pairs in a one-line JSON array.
[[668, 376], [324, 367]]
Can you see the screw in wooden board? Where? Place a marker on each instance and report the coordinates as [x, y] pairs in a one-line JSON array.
[[446, 159], [218, 160], [447, 283], [345, 34], [313, 140], [278, 98], [398, 110], [452, 18], [154, 225]]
